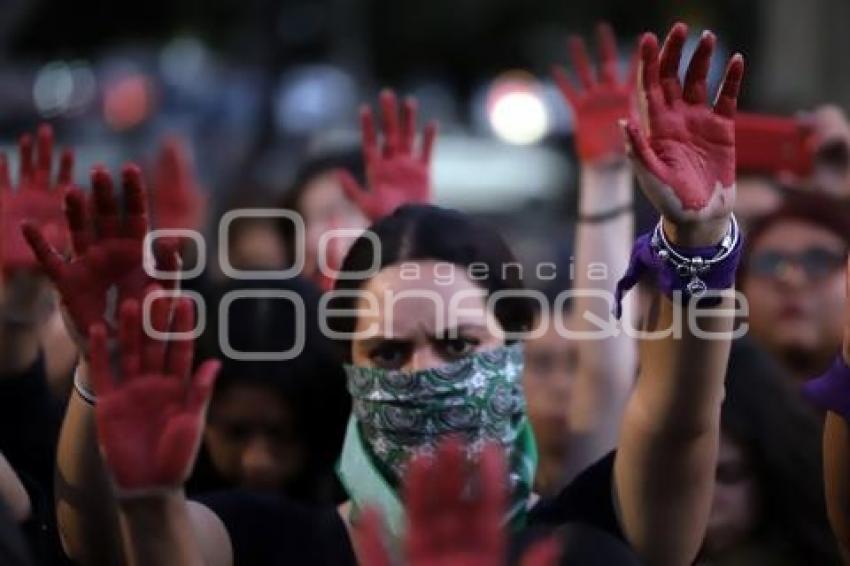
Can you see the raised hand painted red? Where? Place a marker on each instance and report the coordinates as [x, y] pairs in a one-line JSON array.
[[687, 162], [107, 265], [37, 199], [601, 101], [149, 419], [177, 199], [446, 527], [396, 172]]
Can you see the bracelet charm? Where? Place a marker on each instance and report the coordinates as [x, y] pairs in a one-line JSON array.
[[682, 272], [694, 267]]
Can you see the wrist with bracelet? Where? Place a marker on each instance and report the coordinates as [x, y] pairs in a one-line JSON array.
[[606, 215], [82, 389], [684, 272]]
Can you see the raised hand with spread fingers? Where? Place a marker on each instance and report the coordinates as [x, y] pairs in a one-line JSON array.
[[37, 199], [684, 156], [397, 172], [446, 525], [106, 268], [150, 417], [601, 101]]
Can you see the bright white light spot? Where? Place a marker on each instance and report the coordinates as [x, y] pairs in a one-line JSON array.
[[53, 88], [517, 114]]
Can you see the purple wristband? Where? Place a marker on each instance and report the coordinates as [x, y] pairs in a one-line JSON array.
[[831, 391], [645, 261]]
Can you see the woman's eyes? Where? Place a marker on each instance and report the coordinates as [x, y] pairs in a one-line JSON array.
[[390, 355], [457, 347], [394, 355]]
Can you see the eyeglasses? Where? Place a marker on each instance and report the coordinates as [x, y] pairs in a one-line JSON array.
[[816, 263]]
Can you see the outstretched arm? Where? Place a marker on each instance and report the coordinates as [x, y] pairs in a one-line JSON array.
[[685, 163], [831, 392], [604, 231], [149, 428], [107, 255]]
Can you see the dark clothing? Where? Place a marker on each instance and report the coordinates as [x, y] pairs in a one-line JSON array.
[[30, 419], [270, 530], [588, 500]]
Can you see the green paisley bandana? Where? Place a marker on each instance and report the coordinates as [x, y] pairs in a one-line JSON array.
[[397, 414]]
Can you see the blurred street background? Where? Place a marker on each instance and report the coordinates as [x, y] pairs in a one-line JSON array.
[[258, 86]]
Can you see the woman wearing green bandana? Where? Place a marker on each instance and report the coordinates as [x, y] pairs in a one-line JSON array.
[[414, 378], [430, 311], [430, 353]]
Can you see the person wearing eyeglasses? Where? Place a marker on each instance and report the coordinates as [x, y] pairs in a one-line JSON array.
[[793, 277]]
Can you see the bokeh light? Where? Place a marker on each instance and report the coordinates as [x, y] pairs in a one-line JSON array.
[[516, 109]]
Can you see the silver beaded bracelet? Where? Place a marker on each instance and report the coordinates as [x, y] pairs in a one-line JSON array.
[[696, 266]]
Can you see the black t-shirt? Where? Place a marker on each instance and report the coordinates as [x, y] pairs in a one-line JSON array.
[[269, 530], [29, 430]]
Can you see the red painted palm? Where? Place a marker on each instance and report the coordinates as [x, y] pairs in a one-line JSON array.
[[685, 159], [149, 421], [37, 199], [397, 172], [107, 265], [601, 101], [447, 527]]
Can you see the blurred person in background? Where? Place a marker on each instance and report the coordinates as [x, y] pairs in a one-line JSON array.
[[549, 379], [345, 193], [793, 278], [577, 379], [821, 145], [255, 244], [274, 425], [317, 195], [831, 173], [767, 506]]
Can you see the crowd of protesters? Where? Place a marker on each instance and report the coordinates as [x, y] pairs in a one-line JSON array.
[[345, 401]]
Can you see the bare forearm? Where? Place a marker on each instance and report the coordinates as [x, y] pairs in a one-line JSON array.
[[86, 510], [666, 463], [158, 530], [836, 470], [606, 367], [680, 385], [606, 362]]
